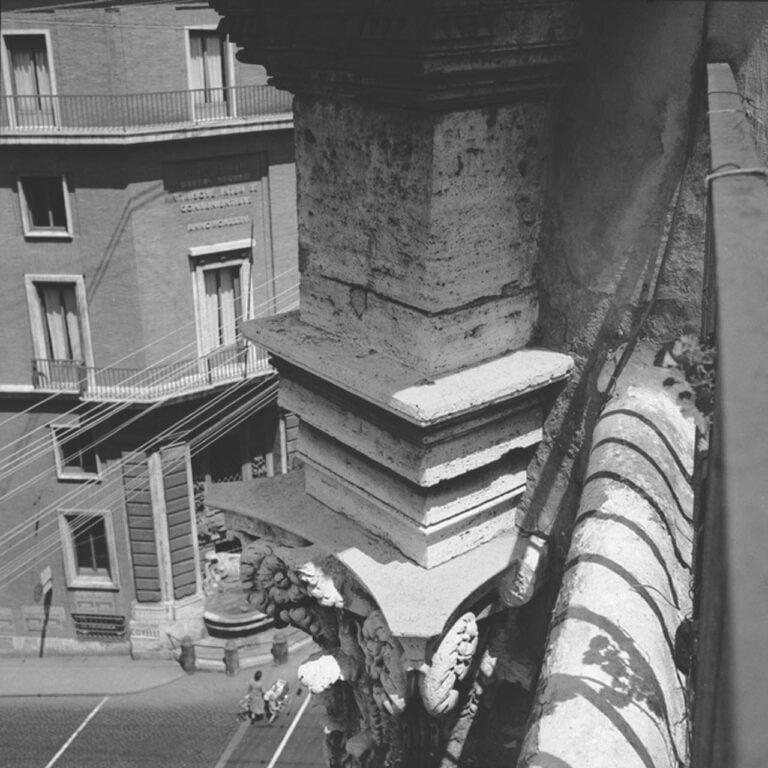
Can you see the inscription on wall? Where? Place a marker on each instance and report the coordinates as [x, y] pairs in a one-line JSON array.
[[216, 186]]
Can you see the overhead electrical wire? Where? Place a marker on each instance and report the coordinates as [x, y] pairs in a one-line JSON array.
[[143, 348], [27, 452], [143, 413], [259, 400], [44, 443], [99, 480], [208, 436]]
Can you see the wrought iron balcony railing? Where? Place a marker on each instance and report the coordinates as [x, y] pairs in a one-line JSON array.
[[139, 111], [221, 366]]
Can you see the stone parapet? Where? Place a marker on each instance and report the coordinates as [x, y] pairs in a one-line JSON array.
[[616, 660]]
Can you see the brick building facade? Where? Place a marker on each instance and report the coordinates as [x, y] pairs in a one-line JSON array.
[[147, 203]]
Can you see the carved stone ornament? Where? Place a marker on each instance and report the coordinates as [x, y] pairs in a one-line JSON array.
[[385, 664], [449, 666], [278, 589], [320, 585]]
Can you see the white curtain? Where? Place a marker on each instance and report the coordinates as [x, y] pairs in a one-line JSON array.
[[61, 321], [197, 67], [211, 336], [207, 74], [32, 82], [214, 72], [24, 80]]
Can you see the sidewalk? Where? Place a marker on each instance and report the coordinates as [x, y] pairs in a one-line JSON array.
[[102, 675], [84, 675]]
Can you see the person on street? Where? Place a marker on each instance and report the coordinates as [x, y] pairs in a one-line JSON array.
[[255, 697]]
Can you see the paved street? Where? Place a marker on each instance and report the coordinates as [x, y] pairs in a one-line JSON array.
[[189, 723]]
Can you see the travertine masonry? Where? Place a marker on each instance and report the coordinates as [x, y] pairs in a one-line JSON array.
[[433, 265]]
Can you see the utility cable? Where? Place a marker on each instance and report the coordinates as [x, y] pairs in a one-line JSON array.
[[21, 563], [145, 347], [80, 490], [35, 523], [28, 450]]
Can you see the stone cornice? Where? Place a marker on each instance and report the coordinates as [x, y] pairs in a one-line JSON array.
[[419, 53]]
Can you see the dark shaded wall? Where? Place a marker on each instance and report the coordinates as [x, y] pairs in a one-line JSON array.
[[625, 195]]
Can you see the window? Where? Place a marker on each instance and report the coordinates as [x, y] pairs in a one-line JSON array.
[[74, 451], [90, 558], [222, 292], [44, 206], [31, 80], [208, 75], [60, 336], [61, 321], [222, 300]]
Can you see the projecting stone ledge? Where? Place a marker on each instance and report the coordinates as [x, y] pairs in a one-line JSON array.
[[401, 390], [418, 603]]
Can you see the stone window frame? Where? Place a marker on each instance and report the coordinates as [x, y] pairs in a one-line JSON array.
[[31, 281], [62, 471], [31, 232], [201, 260], [75, 580]]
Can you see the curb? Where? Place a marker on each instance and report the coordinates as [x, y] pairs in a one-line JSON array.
[[90, 694], [248, 662], [208, 665]]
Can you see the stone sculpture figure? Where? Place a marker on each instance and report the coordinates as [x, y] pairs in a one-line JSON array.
[[280, 591]]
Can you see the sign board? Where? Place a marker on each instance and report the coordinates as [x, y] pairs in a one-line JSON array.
[[46, 580]]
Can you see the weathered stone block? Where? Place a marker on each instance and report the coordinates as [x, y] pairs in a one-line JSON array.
[[431, 210], [428, 548], [430, 343], [425, 507], [424, 458], [401, 390]]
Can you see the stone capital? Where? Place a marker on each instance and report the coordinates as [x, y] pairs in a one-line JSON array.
[[418, 53]]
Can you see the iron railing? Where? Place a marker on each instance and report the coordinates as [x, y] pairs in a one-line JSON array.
[[116, 113], [222, 366]]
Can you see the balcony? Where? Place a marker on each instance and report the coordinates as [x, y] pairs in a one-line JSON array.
[[222, 366], [119, 116]]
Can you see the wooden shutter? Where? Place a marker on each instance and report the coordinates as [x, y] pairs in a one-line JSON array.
[[177, 486], [141, 528]]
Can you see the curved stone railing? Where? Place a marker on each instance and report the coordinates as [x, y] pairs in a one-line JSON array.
[[610, 693]]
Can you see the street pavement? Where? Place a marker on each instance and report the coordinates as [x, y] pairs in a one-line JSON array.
[[112, 712]]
